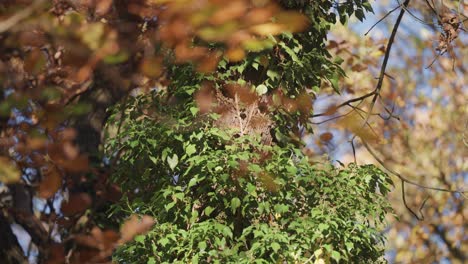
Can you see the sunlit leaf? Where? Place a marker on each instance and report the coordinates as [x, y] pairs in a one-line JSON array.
[[9, 173]]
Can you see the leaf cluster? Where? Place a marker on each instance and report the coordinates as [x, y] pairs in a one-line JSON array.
[[217, 198]]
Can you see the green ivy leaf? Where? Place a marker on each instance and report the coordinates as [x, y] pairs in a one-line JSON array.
[[336, 255], [173, 161], [208, 210], [235, 203], [261, 89], [190, 149], [275, 246], [194, 110], [202, 245]]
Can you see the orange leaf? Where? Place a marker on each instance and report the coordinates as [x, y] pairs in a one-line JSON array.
[[135, 226], [327, 136], [51, 182], [77, 203]]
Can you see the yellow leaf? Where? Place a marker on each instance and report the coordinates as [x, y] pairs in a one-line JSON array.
[[267, 29], [9, 173]]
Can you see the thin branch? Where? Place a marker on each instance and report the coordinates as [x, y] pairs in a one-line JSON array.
[[380, 20], [403, 195], [241, 125], [432, 8], [389, 112], [401, 177], [354, 150], [23, 14], [360, 98], [417, 18], [378, 88]]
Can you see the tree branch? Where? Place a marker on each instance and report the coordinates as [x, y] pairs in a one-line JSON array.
[[401, 177], [23, 14], [378, 87]]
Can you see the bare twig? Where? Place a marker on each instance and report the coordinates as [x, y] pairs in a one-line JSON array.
[[380, 20], [360, 98], [241, 124], [403, 195], [431, 7], [23, 14], [401, 177], [378, 87]]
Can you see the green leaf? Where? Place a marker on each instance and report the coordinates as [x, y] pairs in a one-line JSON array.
[[190, 149], [153, 159], [151, 260], [208, 210], [140, 239], [116, 58], [323, 226], [164, 241], [169, 206], [349, 246], [272, 74], [173, 161], [194, 110], [334, 82], [281, 208], [235, 203], [359, 13], [336, 255], [202, 245], [261, 89], [275, 246]]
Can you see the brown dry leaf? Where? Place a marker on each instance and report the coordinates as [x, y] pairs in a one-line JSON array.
[[152, 67], [51, 182], [68, 134], [235, 54], [135, 226], [113, 193], [289, 105], [292, 21], [77, 203], [36, 143], [80, 164], [70, 150], [330, 110], [332, 44], [268, 182], [34, 38], [327, 136], [184, 52], [260, 15], [102, 7], [231, 11], [98, 239], [209, 63], [205, 98], [56, 254], [35, 61], [244, 94], [304, 102], [359, 67]]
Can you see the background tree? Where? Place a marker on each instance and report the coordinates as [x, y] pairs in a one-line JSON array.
[[423, 128]]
